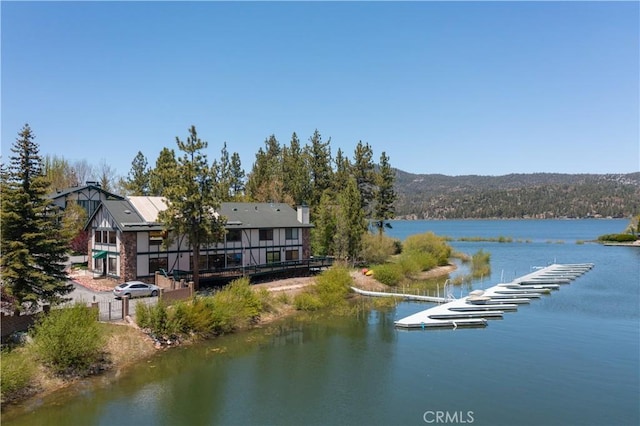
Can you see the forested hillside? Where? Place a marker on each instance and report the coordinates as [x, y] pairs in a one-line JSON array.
[[538, 195]]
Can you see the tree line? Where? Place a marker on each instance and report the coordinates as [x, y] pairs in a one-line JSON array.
[[347, 199], [536, 195]]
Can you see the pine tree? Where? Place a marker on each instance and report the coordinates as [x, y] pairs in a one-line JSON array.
[[350, 222], [385, 195], [137, 182], [319, 154], [322, 237], [164, 174], [295, 171], [237, 177], [223, 174], [342, 173], [265, 182], [364, 172], [191, 199], [33, 244]]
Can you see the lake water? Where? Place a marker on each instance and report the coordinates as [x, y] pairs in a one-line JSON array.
[[571, 358]]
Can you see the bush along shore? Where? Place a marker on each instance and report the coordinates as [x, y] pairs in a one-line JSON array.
[[69, 344]]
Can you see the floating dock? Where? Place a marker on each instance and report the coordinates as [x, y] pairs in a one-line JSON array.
[[480, 306]]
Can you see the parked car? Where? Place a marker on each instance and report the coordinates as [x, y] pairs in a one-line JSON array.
[[136, 289]]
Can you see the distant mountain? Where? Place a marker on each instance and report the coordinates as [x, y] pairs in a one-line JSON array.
[[536, 195]]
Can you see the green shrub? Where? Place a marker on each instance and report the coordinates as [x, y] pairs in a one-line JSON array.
[[409, 264], [429, 243], [417, 261], [307, 301], [480, 264], [158, 318], [377, 248], [333, 285], [17, 370], [69, 340], [195, 316], [617, 238], [235, 306], [266, 300], [389, 273]]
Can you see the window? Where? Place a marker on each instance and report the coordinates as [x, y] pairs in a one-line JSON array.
[[216, 261], [155, 238], [291, 233], [234, 235], [112, 266], [234, 259], [202, 261], [112, 237], [273, 256], [291, 255], [157, 263], [266, 234], [98, 236]]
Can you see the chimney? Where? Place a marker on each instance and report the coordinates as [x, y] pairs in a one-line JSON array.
[[303, 214]]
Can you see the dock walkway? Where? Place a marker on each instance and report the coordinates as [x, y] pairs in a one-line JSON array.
[[480, 306], [405, 296]]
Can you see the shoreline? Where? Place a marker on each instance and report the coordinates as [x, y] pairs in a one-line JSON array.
[[138, 345]]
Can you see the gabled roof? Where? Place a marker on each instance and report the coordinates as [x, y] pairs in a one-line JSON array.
[[141, 214], [128, 218], [89, 186]]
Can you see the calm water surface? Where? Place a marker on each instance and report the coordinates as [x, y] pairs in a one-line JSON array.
[[569, 358]]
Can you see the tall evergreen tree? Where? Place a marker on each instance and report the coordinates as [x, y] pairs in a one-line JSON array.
[[237, 177], [363, 171], [295, 171], [191, 199], [350, 222], [164, 174], [33, 244], [322, 236], [385, 195], [137, 183], [265, 181], [319, 154], [223, 174], [342, 173]]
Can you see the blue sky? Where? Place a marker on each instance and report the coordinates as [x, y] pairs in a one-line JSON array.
[[486, 88]]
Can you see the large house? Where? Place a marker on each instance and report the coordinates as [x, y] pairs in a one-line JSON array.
[[126, 238], [88, 196]]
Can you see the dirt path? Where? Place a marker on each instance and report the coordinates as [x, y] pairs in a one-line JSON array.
[[292, 286]]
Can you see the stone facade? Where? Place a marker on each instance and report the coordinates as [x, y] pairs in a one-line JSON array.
[[128, 256]]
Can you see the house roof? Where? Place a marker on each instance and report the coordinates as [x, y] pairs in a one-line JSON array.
[[76, 189], [141, 214], [260, 215], [128, 218]]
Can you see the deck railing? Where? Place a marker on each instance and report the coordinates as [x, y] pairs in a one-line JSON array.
[[311, 265]]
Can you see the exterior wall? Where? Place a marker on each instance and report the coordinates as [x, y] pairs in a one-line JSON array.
[[133, 252], [89, 197], [104, 222]]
